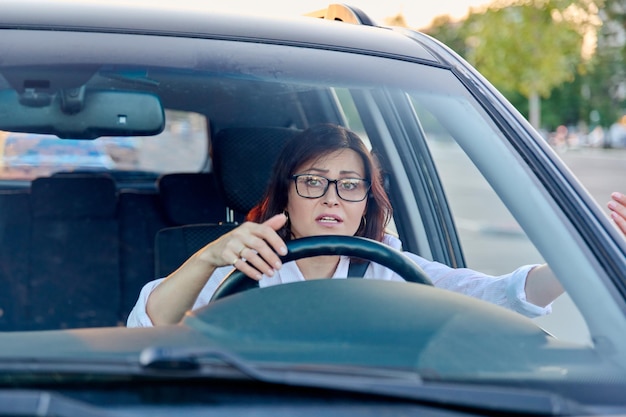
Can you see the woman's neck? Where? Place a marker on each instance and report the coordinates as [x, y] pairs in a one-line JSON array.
[[319, 267]]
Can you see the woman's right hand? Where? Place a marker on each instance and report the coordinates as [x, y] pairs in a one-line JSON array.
[[257, 243], [252, 248]]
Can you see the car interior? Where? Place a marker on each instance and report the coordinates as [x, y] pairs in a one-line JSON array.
[[139, 230]]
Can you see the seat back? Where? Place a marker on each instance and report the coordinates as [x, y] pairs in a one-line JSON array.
[[195, 209], [141, 216], [173, 245], [243, 159], [15, 232], [74, 258], [180, 199], [190, 198]]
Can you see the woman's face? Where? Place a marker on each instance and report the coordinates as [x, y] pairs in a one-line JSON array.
[[329, 214]]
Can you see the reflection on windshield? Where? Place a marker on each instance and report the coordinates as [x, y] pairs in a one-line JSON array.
[[180, 147]]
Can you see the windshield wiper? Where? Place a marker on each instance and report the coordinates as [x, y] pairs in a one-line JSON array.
[[386, 382]]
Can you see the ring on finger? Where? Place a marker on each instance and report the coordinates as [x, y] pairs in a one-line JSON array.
[[234, 261], [241, 251]]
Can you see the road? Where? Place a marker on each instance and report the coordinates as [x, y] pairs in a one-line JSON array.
[[601, 171]]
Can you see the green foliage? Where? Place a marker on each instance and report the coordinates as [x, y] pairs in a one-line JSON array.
[[565, 106], [449, 32], [525, 47], [607, 76]]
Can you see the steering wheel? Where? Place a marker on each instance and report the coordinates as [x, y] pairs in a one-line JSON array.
[[357, 247]]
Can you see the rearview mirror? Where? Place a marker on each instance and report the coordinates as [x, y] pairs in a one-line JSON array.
[[80, 114]]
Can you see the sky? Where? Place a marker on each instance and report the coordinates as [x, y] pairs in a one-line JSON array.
[[417, 13]]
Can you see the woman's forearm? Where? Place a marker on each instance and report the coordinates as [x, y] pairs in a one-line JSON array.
[[542, 287], [172, 298]]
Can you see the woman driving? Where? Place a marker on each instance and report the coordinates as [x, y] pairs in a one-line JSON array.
[[325, 182]]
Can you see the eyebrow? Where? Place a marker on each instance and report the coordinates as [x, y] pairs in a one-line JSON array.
[[324, 171]]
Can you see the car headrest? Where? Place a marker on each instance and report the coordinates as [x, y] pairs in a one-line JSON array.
[[243, 159], [190, 198], [80, 196]]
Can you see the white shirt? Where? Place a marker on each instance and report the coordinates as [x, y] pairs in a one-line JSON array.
[[505, 290]]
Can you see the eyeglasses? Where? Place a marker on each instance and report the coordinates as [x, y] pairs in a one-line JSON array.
[[315, 186]]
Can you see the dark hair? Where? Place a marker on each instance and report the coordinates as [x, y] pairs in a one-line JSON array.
[[312, 143]]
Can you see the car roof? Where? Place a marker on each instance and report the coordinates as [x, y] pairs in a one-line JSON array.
[[168, 20]]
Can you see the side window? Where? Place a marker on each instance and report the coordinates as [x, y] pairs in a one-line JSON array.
[[350, 113], [492, 240], [354, 122]]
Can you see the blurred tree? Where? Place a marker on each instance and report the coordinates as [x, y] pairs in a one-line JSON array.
[[607, 78], [448, 31], [565, 105], [397, 20], [598, 95], [528, 46]]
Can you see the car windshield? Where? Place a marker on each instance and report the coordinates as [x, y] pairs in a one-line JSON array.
[[102, 194]]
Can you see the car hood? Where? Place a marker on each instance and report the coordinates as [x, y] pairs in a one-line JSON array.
[[355, 322]]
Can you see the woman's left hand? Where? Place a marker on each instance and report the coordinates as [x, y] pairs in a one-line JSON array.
[[617, 206]]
